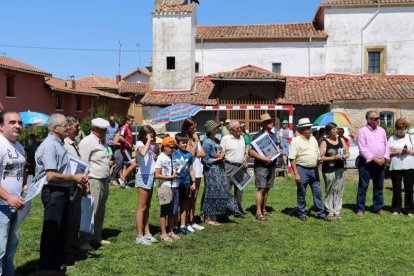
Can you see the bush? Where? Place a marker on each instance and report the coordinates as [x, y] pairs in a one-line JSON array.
[[39, 131], [99, 111]]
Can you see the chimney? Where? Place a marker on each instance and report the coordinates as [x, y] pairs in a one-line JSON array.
[[118, 79], [72, 80]]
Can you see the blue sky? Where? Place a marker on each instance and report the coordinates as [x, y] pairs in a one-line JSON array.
[[99, 25]]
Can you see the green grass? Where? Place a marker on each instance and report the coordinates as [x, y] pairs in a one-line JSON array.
[[280, 246]]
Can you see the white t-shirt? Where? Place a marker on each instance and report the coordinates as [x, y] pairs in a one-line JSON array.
[[403, 162], [146, 163], [164, 163], [12, 163]]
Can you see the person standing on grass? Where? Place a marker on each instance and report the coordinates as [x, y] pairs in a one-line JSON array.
[[373, 153], [165, 171], [401, 168], [183, 161], [126, 141], [304, 156], [189, 128], [264, 169], [284, 140], [52, 161], [73, 250], [92, 149], [144, 181], [235, 156], [12, 175], [334, 151]]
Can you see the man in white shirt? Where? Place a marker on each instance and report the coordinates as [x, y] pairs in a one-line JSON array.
[[12, 162], [92, 149], [235, 156]]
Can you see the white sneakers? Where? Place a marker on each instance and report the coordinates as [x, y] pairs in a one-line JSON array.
[[191, 229], [146, 240], [195, 226], [121, 183]]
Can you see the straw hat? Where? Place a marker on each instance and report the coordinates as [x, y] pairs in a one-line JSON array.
[[304, 122], [265, 117], [210, 126]]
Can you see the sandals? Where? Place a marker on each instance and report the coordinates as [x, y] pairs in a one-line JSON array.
[[261, 217], [267, 214], [212, 222]]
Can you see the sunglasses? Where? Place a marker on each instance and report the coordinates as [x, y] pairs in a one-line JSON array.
[[374, 118], [13, 122]]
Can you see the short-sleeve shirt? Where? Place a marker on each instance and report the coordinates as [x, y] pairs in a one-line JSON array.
[[304, 151], [402, 162], [110, 133], [146, 164], [260, 163], [164, 162], [127, 134], [182, 161], [12, 163], [51, 155]]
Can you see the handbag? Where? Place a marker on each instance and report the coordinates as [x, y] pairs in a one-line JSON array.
[[164, 193]]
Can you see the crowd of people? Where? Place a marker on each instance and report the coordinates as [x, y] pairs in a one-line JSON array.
[[179, 163]]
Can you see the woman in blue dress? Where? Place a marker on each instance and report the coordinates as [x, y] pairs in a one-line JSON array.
[[216, 199]]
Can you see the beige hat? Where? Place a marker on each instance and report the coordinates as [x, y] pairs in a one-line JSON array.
[[227, 121], [210, 126], [100, 123], [265, 117], [304, 122]]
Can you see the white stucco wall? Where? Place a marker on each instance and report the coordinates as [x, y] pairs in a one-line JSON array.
[[294, 56], [137, 78], [392, 27], [173, 35]]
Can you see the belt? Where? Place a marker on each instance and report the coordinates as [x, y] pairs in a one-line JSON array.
[[234, 164], [308, 168]]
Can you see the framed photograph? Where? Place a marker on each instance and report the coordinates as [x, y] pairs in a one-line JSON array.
[[265, 146], [241, 177]]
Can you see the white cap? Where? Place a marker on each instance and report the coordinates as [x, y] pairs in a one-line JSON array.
[[100, 123]]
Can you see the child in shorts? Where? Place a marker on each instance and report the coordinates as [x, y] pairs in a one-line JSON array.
[[144, 181], [183, 161], [165, 171]]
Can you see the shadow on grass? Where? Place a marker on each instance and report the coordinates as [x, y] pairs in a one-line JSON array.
[[110, 233], [352, 207], [29, 268]]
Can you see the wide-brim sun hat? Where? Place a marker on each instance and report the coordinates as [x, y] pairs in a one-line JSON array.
[[210, 126], [304, 122]]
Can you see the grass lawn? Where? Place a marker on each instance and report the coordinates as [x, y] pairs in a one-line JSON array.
[[371, 245]]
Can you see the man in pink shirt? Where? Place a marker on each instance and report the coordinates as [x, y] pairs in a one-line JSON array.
[[373, 152]]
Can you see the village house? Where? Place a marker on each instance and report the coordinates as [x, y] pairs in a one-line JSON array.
[[354, 56], [24, 87]]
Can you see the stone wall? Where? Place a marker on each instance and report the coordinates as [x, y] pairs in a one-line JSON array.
[[356, 110]]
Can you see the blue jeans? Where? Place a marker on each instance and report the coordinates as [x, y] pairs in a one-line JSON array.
[[309, 177], [56, 202], [366, 172], [9, 238]]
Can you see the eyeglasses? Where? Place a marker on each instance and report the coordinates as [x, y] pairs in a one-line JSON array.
[[13, 122], [64, 126], [374, 118]]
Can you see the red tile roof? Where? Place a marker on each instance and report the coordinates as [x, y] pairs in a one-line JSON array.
[[248, 72], [309, 91], [293, 30], [200, 96], [324, 90], [363, 2], [133, 88], [166, 9], [138, 71], [12, 64], [60, 85], [97, 82]]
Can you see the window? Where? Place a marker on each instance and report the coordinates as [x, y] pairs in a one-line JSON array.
[[197, 67], [277, 68], [10, 87], [170, 63], [78, 103], [387, 118], [375, 60], [58, 102]]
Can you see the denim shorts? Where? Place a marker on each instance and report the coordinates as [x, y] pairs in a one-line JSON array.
[[172, 207], [144, 181]]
